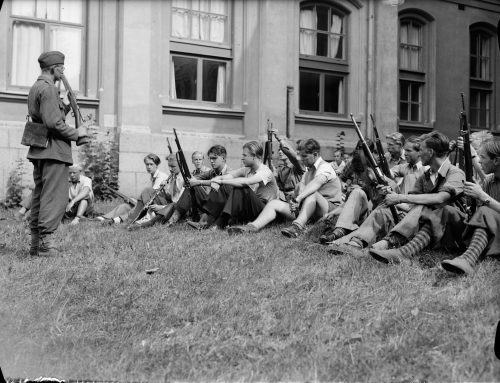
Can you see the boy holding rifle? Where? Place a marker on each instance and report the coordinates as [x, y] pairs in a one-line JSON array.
[[318, 193], [438, 212], [483, 228]]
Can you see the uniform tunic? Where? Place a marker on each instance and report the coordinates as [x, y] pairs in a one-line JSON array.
[[50, 164]]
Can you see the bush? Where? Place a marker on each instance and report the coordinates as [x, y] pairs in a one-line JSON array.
[[99, 159], [15, 185]]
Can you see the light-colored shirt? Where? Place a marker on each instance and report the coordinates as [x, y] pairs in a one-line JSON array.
[[77, 188], [407, 175], [267, 188], [491, 186], [338, 168], [158, 178], [175, 186], [331, 187]]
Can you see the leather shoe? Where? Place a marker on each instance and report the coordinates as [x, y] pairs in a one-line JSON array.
[[292, 231], [337, 233], [457, 265], [241, 229], [393, 256]]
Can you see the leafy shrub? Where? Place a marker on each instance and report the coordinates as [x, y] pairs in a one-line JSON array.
[[99, 159], [15, 185]]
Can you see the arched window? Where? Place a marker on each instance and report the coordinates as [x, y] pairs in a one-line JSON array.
[[323, 64], [412, 69], [481, 77]]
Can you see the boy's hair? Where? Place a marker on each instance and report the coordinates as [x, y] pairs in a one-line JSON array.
[[197, 152], [339, 151], [218, 150], [397, 137], [309, 145], [436, 141], [415, 142], [153, 157], [255, 149], [492, 147]]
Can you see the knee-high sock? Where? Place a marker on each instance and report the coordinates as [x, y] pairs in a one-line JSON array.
[[477, 245], [421, 240]]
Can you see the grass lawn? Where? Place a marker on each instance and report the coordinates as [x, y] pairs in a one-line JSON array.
[[259, 307]]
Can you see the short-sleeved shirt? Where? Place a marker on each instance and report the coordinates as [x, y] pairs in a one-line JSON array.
[[266, 189], [331, 187], [157, 179], [491, 186], [449, 179], [77, 188], [408, 175]]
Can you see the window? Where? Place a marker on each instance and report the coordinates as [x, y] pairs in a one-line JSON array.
[[481, 79], [412, 70], [323, 64], [198, 79], [43, 25], [199, 74]]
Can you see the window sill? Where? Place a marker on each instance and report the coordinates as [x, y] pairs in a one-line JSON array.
[[203, 111], [337, 122], [417, 127], [14, 96]]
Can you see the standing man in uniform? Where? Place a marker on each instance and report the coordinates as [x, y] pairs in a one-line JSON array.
[[50, 164]]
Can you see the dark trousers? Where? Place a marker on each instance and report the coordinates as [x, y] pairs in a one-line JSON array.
[[143, 199], [185, 202], [50, 196]]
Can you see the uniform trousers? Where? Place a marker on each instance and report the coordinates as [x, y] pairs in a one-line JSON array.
[[50, 196]]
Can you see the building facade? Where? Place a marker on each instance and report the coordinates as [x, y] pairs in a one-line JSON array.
[[219, 71]]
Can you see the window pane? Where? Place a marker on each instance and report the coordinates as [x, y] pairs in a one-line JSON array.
[[27, 45], [69, 41], [415, 112], [214, 81], [403, 111], [473, 66], [185, 77], [23, 8], [72, 11], [336, 46], [322, 47], [309, 91], [322, 14], [415, 93], [333, 94], [47, 9], [404, 90]]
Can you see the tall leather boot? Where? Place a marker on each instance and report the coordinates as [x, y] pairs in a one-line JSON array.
[[35, 242], [47, 246]]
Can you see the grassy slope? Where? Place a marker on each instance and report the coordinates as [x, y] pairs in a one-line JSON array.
[[258, 307]]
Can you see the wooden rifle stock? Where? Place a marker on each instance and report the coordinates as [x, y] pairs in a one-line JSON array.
[[378, 173], [169, 147], [384, 165], [468, 167], [76, 110], [186, 175]]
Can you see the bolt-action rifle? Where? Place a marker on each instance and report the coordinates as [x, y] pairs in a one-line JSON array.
[[378, 173], [268, 149], [468, 167], [131, 201], [79, 120], [382, 161], [186, 175]]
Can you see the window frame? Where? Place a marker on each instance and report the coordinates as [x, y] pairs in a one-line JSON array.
[[327, 65], [415, 76], [199, 80], [46, 42], [203, 50], [482, 85]]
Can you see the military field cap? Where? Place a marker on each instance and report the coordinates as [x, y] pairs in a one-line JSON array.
[[47, 59]]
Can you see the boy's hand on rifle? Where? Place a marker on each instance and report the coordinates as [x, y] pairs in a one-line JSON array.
[[392, 199], [475, 191], [156, 207], [294, 205], [384, 189]]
